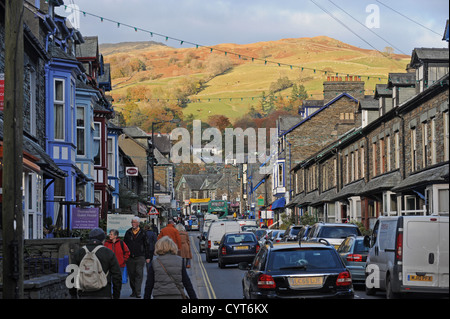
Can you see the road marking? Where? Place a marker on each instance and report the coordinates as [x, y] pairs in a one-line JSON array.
[[209, 288]]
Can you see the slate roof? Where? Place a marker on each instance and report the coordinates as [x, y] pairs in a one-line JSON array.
[[401, 79], [383, 182], [382, 90], [423, 178], [88, 49], [349, 190], [436, 54], [194, 182], [286, 122]]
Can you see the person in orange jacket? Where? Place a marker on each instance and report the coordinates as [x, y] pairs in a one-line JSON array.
[[172, 232]]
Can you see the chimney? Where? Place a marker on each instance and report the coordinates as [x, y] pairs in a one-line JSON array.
[[335, 86]]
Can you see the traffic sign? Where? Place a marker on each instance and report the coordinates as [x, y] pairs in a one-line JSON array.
[[153, 200]]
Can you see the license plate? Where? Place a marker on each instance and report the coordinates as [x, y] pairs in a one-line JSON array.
[[241, 247], [305, 282], [420, 278]]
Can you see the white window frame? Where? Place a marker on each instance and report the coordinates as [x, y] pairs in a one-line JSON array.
[[413, 149], [446, 136], [111, 156], [424, 145], [81, 128], [98, 139], [397, 150], [433, 141], [389, 153], [62, 104]]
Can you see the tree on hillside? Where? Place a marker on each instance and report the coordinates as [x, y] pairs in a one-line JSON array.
[[219, 121], [267, 103], [281, 84], [218, 64]]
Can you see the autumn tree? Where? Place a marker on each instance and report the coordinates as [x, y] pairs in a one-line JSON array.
[[219, 121]]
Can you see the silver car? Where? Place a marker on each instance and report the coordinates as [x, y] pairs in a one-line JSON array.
[[354, 255]]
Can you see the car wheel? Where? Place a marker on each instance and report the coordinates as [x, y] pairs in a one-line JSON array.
[[370, 291], [389, 293], [243, 291], [221, 264], [208, 257]]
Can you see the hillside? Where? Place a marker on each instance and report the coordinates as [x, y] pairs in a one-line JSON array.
[[123, 47], [219, 83]]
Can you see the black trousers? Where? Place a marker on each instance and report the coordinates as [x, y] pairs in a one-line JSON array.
[[135, 268]]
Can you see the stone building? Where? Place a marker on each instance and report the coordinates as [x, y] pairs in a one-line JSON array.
[[396, 164]]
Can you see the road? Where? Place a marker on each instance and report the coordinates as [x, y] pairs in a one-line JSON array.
[[216, 283]]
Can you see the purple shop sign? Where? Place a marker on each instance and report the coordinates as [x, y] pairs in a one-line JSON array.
[[85, 218]]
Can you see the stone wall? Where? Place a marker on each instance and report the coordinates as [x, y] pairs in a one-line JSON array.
[[48, 285]]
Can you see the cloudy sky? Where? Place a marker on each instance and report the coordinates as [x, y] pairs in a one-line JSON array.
[[404, 24]]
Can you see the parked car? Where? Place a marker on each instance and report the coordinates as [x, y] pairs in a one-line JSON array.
[[290, 270], [237, 247], [408, 254], [303, 233], [333, 233], [354, 253], [275, 235], [260, 235], [215, 233], [249, 228], [291, 233]]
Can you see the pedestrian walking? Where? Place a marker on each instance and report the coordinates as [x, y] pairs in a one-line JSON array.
[[151, 238], [167, 277], [109, 265], [185, 252], [136, 240], [170, 231], [119, 248]]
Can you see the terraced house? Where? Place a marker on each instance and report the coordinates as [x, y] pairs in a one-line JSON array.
[[66, 111], [395, 164]]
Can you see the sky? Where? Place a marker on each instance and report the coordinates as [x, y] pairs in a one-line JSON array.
[[368, 24]]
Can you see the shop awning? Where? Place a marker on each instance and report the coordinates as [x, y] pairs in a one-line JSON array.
[[279, 203]]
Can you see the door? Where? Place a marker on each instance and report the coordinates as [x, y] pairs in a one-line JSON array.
[[421, 255]]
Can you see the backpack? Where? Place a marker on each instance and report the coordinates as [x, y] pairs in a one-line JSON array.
[[91, 276]]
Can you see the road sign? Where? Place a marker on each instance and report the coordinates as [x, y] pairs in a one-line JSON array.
[[153, 200], [261, 201]]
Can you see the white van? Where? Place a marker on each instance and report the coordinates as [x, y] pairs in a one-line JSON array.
[[408, 254], [216, 231]]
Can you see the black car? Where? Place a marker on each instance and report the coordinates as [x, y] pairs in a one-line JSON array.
[[237, 247], [293, 270], [292, 232]]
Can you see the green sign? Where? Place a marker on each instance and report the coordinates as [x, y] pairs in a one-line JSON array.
[[260, 201]]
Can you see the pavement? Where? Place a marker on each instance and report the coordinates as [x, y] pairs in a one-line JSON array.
[[196, 273]]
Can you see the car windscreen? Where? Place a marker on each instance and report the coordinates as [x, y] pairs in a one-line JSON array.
[[360, 248], [239, 238], [294, 231], [302, 258], [260, 233], [338, 232]]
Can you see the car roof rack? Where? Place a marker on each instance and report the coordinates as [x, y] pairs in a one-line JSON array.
[[324, 241]]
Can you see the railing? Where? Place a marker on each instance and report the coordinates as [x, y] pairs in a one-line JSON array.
[[37, 266]]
